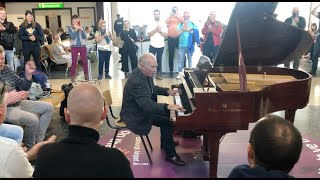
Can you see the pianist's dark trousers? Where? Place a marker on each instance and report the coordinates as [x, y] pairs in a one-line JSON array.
[[166, 133]]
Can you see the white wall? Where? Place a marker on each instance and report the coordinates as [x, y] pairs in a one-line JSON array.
[[17, 9], [140, 13]]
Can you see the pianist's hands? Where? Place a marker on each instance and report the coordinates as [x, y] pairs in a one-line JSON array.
[[175, 107], [172, 92]]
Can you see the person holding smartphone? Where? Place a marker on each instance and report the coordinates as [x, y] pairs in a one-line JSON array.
[[300, 22]]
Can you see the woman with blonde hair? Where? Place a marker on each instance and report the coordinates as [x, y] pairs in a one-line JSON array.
[[31, 34], [129, 37], [104, 44], [59, 54]]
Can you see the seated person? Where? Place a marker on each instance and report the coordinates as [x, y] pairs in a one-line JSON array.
[[79, 154], [47, 36], [33, 116], [62, 34], [59, 54], [140, 109], [273, 150], [90, 40], [14, 160]]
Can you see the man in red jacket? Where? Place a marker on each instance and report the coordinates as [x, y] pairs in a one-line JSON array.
[[212, 36]]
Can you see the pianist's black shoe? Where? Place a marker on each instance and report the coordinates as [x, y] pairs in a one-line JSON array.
[[176, 160]]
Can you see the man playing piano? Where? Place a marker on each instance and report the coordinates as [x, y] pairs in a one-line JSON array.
[[140, 109], [273, 150]]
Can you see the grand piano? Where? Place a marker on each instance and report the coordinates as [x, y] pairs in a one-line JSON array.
[[244, 84]]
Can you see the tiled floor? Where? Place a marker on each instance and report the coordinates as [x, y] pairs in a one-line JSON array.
[[307, 119]]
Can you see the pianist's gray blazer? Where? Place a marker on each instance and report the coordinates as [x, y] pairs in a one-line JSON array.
[[139, 103]]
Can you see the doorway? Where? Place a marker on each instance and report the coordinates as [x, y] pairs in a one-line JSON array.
[[53, 18]]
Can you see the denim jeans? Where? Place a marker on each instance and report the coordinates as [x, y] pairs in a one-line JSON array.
[[181, 57], [25, 115], [104, 59], [9, 57], [12, 132]]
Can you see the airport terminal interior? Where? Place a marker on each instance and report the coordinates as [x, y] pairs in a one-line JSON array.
[[233, 145]]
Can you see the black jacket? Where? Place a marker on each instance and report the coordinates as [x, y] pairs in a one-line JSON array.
[[140, 101], [79, 155], [118, 26], [24, 36], [301, 23], [11, 29], [129, 38], [245, 171]]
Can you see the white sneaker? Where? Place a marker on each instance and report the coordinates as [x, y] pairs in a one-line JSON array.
[[178, 77]]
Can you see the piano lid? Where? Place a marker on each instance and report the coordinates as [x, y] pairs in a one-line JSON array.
[[264, 40]]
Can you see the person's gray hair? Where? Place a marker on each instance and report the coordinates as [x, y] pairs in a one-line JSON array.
[[144, 57]]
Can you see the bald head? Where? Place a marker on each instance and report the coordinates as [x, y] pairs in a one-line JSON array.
[[148, 64], [85, 105]]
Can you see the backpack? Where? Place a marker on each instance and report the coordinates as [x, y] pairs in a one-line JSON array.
[[66, 88], [40, 78]]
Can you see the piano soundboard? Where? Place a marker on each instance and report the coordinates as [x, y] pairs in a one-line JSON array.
[[255, 82]]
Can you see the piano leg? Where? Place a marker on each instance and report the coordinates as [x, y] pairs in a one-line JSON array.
[[290, 114], [214, 141], [205, 148]]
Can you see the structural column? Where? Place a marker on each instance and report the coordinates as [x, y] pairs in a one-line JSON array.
[[114, 12]]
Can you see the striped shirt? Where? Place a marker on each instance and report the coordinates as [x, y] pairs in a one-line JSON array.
[[15, 82]]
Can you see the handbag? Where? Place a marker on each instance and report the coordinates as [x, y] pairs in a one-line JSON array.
[[93, 56], [120, 44]]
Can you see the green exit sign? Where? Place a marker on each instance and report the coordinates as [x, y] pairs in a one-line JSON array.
[[50, 5]]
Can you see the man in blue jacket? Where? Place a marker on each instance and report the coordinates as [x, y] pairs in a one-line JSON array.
[[188, 35]]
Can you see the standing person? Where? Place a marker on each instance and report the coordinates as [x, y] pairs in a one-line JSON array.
[[118, 25], [211, 30], [173, 36], [273, 150], [7, 32], [140, 109], [104, 43], [129, 49], [316, 51], [31, 34], [187, 32], [313, 31], [78, 45], [300, 22], [157, 31], [79, 154]]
